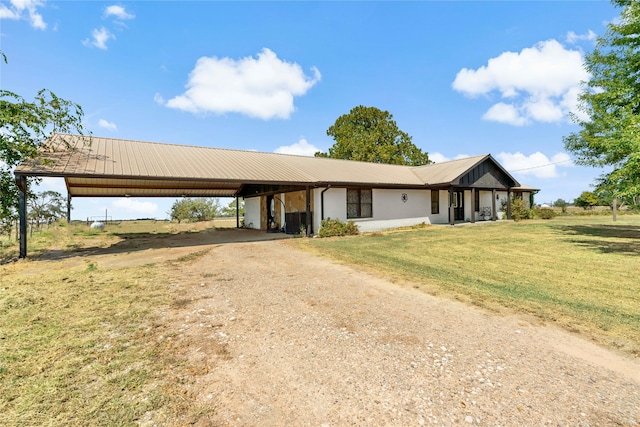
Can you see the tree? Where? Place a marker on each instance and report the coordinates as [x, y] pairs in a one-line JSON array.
[[587, 200], [25, 128], [610, 102], [194, 209], [562, 204], [46, 207], [370, 135], [230, 209]]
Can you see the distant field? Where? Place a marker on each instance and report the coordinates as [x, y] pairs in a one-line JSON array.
[[578, 272], [79, 234]]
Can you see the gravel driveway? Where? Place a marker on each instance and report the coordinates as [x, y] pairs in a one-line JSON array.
[[288, 338]]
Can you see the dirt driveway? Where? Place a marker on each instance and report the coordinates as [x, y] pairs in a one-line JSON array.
[[287, 338]]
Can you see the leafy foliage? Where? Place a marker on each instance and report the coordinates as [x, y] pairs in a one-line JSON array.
[[610, 102], [519, 210], [334, 227], [46, 207], [194, 209], [562, 204], [371, 135], [25, 128], [230, 209], [544, 213], [587, 200]]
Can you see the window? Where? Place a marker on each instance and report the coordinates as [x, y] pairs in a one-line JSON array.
[[435, 201], [359, 203], [476, 202]]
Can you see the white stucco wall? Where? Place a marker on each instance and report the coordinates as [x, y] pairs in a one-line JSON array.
[[443, 216], [252, 212]]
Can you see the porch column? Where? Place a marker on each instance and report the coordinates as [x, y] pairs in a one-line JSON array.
[[452, 216], [473, 205], [308, 209], [21, 181], [508, 203], [494, 213]]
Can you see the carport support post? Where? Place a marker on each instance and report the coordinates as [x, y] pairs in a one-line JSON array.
[[21, 181], [68, 208], [237, 212], [308, 210]]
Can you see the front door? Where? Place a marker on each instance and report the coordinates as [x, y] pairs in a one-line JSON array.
[[458, 205]]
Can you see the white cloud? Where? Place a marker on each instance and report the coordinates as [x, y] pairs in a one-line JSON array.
[[20, 8], [537, 164], [262, 87], [118, 12], [158, 98], [439, 157], [539, 83], [573, 38], [100, 38], [300, 148], [134, 206], [505, 113], [107, 124]]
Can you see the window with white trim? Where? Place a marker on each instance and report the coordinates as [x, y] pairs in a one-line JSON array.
[[359, 203]]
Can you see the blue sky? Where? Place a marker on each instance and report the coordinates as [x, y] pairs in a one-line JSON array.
[[462, 78]]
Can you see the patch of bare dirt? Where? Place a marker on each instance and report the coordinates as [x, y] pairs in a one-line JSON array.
[[286, 338]]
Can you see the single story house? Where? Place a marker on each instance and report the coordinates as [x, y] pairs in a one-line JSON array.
[[281, 192]]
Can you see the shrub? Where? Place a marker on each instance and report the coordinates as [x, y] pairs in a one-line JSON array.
[[334, 227], [544, 213], [519, 210]]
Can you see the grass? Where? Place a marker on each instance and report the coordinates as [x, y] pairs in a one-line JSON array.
[[83, 345], [79, 235], [578, 272]]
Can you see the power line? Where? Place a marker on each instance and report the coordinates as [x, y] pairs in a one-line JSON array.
[[542, 166]]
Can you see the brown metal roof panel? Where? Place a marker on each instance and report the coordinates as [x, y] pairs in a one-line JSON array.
[[446, 172]]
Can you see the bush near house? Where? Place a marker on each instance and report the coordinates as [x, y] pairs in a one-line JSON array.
[[544, 213], [334, 227]]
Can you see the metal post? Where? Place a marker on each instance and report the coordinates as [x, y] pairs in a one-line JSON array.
[[237, 212], [22, 207], [308, 211], [68, 208]]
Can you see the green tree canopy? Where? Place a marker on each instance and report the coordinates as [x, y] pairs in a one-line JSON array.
[[194, 209], [371, 135], [610, 102], [46, 207], [25, 127], [230, 209], [587, 200]]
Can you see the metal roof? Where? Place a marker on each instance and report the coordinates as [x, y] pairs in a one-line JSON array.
[[99, 167]]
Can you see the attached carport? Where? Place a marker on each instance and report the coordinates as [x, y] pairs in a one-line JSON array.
[[104, 167]]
